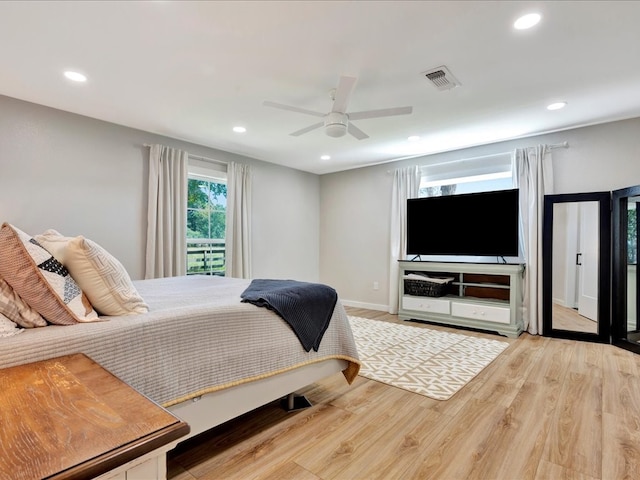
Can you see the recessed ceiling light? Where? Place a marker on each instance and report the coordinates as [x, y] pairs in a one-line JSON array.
[[325, 157], [527, 21], [239, 129], [556, 106], [75, 76], [413, 138]]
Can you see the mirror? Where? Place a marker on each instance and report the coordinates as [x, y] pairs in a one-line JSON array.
[[626, 284], [576, 268]]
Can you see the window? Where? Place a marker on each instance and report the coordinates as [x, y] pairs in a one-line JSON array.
[[206, 221], [480, 174]]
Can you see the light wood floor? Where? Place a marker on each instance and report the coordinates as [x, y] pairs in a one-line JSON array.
[[544, 409], [565, 318]]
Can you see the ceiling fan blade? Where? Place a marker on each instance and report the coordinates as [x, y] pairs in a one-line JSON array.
[[266, 103], [307, 129], [384, 112], [343, 93], [356, 132]]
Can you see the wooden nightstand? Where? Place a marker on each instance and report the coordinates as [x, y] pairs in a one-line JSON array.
[[67, 417]]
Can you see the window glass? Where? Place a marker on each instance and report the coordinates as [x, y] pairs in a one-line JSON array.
[[482, 174], [206, 219]]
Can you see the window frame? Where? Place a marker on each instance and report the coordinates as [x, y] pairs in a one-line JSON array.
[[469, 172], [210, 248]]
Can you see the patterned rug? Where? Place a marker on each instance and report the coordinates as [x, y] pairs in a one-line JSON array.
[[422, 360]]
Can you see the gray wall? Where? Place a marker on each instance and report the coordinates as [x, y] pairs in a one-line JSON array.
[[87, 177], [82, 176], [355, 205]]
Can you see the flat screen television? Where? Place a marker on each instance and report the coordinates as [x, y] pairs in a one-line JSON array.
[[474, 224]]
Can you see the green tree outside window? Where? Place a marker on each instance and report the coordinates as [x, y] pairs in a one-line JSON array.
[[206, 219]]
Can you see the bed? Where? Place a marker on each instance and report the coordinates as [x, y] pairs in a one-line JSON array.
[[199, 351]]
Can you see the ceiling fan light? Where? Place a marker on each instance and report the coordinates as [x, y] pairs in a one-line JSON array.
[[335, 124], [336, 130]]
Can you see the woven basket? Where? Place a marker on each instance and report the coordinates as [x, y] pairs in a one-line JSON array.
[[424, 288]]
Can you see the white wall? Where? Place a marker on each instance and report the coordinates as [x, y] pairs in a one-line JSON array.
[[355, 204], [82, 176]]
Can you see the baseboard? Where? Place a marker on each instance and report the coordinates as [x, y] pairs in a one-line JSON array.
[[559, 301], [368, 306]]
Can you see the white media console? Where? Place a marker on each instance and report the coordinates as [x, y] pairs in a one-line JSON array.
[[484, 296]]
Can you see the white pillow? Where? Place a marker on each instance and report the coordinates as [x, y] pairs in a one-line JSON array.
[[102, 278], [7, 327]]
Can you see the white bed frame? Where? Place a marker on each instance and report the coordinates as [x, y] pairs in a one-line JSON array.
[[212, 409]]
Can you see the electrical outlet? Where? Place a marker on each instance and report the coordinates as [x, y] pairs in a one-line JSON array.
[[376, 286]]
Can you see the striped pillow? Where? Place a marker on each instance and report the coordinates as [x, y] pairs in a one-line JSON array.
[[14, 308], [42, 282]]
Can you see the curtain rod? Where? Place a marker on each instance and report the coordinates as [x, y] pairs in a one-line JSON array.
[[564, 144], [551, 147], [198, 157]]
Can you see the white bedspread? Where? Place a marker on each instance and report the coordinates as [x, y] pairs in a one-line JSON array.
[[198, 337]]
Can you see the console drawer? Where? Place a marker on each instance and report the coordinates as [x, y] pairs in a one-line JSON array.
[[426, 304], [478, 311]]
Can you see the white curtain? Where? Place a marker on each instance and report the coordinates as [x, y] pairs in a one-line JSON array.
[[533, 175], [167, 213], [406, 183], [238, 226]]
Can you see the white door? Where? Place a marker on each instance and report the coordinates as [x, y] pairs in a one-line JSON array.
[[588, 258]]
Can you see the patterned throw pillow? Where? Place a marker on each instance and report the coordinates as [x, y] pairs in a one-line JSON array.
[[14, 308], [101, 276], [41, 280]]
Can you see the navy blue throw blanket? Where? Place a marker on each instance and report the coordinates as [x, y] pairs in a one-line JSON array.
[[306, 307]]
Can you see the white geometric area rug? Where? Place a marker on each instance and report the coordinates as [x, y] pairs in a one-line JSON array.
[[422, 360]]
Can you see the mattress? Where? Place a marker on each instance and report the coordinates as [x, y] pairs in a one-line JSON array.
[[198, 337]]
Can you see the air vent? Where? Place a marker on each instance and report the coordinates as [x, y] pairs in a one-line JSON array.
[[441, 78]]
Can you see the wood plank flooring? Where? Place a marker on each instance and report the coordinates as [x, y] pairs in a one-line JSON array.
[[565, 318], [544, 409]]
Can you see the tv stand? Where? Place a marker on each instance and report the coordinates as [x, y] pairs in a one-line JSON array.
[[484, 296]]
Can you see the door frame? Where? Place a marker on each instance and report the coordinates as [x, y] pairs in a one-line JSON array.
[[619, 279]]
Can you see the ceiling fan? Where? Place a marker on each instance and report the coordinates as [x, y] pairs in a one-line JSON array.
[[338, 122]]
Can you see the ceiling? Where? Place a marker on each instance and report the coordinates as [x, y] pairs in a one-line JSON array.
[[194, 70]]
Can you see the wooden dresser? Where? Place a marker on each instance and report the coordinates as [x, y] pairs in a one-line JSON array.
[[68, 418]]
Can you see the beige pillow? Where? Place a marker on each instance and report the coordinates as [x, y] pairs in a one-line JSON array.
[[101, 276], [54, 242], [41, 280], [14, 308]]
